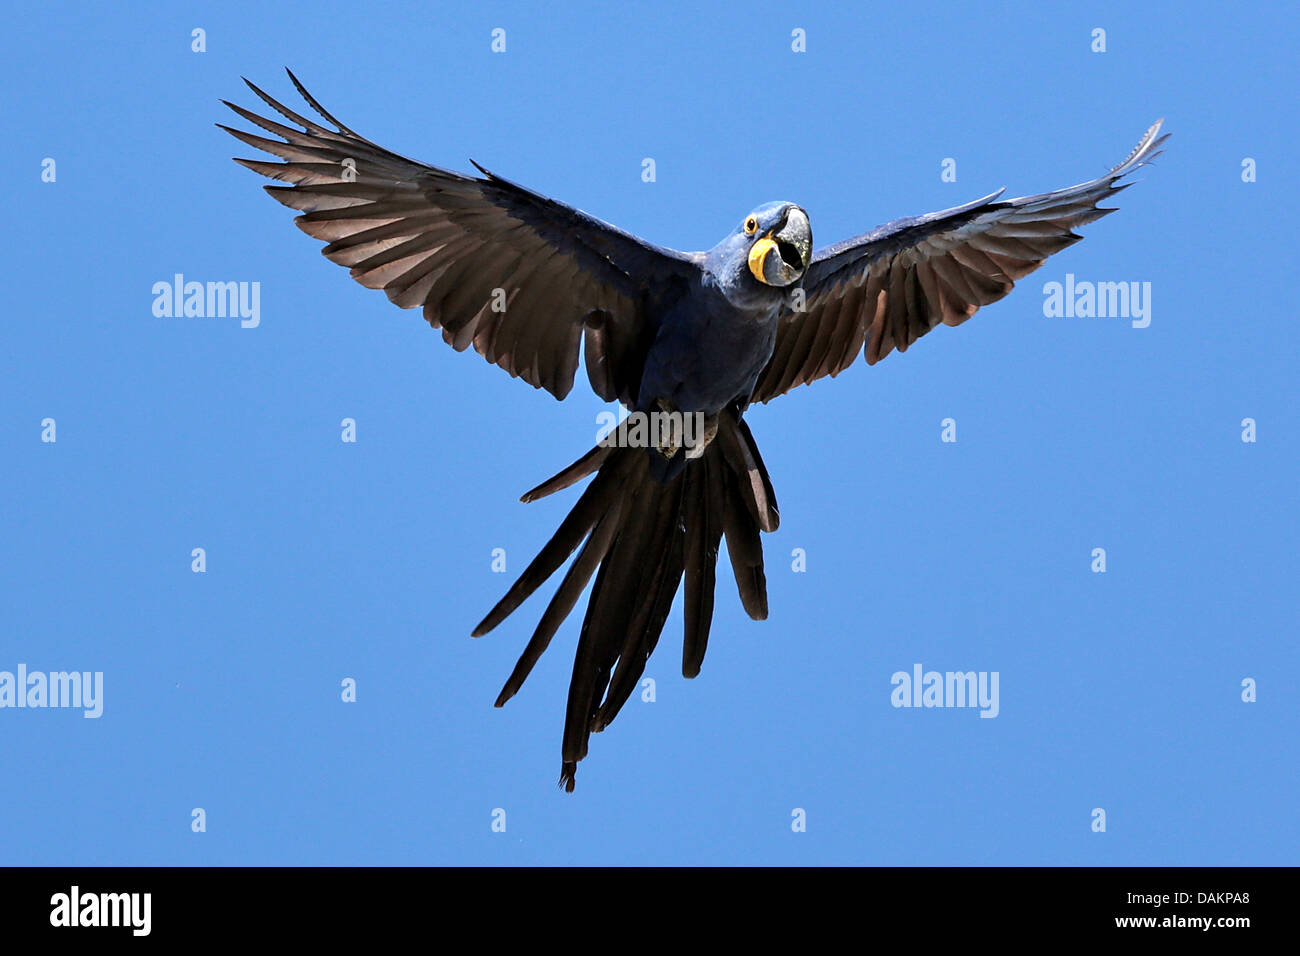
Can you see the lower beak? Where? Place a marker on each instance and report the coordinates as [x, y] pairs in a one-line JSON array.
[[759, 254]]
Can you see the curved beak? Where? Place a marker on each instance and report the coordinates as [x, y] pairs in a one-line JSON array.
[[780, 257]]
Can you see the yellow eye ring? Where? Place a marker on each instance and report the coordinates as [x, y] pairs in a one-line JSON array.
[[751, 226]]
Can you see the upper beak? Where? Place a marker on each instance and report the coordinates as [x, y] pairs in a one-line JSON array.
[[782, 255]]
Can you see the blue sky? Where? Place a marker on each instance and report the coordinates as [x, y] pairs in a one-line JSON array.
[[371, 560]]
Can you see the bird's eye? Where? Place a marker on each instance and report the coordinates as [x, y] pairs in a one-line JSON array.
[[751, 226]]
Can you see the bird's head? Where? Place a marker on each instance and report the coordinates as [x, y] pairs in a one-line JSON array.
[[768, 250]]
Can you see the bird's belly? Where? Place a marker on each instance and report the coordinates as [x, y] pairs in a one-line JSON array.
[[702, 365]]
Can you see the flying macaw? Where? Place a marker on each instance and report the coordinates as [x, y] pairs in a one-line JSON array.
[[526, 280]]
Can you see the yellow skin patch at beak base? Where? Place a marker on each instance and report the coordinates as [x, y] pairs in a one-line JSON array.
[[758, 255]]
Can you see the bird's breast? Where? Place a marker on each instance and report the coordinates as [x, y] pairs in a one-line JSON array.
[[707, 354]]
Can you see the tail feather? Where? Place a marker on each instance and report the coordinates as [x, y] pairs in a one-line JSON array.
[[746, 553], [615, 600], [756, 487], [573, 529], [703, 503], [584, 566], [640, 537], [644, 630], [580, 469]]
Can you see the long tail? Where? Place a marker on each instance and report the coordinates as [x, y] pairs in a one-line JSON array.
[[640, 538]]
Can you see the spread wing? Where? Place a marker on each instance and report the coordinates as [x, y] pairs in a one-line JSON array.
[[522, 278], [884, 290]]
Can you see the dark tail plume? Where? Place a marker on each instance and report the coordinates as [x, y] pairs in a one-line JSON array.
[[640, 537]]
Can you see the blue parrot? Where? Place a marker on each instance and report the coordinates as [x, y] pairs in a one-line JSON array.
[[533, 284]]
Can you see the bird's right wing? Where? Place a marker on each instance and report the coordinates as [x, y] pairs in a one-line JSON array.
[[521, 277]]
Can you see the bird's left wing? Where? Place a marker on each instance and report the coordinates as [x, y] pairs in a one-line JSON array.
[[883, 290], [521, 277]]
